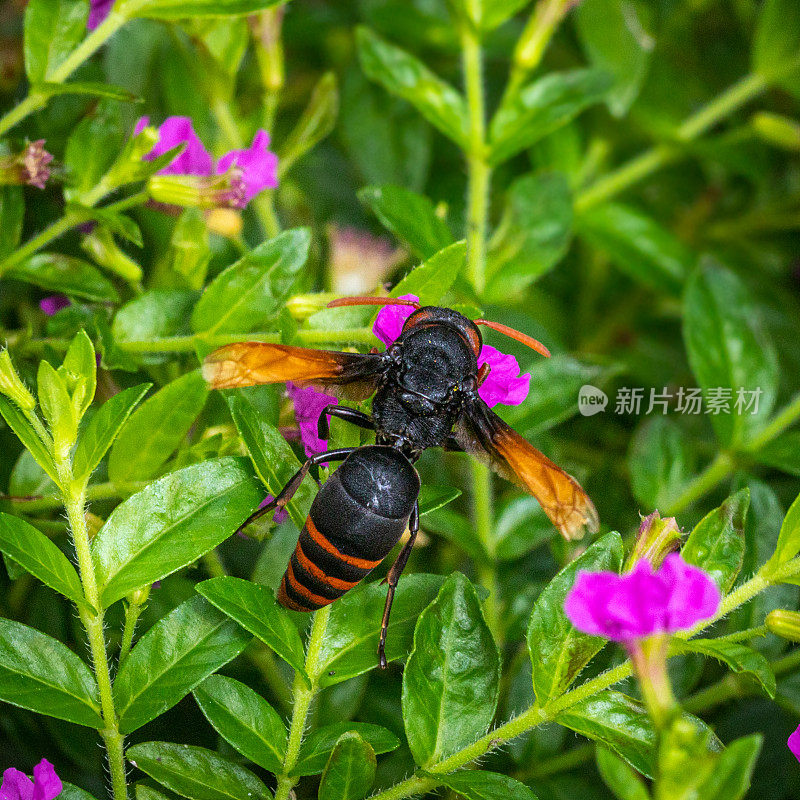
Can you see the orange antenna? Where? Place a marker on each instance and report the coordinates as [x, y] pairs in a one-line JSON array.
[[372, 301], [534, 344]]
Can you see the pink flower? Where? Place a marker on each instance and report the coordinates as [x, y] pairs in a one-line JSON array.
[[53, 304], [794, 743], [251, 170], [359, 261], [642, 603], [308, 405], [98, 12], [504, 383], [46, 785]]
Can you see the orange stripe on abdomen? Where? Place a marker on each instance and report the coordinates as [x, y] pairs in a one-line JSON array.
[[317, 599], [318, 572], [325, 544]]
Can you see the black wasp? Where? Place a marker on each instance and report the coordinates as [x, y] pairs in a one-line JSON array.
[[425, 388]]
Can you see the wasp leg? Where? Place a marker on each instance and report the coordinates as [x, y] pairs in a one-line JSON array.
[[343, 412], [293, 484], [394, 576]]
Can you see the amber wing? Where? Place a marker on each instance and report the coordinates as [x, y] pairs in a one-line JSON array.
[[483, 434], [353, 375]]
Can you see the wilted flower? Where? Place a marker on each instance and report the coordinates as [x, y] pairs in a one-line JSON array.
[[30, 166], [655, 540], [308, 405], [46, 785], [359, 261], [504, 383], [642, 603], [794, 743], [54, 303], [99, 11], [237, 177]]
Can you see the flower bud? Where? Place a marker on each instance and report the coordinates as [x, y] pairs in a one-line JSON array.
[[656, 539], [100, 245], [12, 386], [302, 306], [785, 624], [139, 597], [777, 130], [193, 191], [27, 167]]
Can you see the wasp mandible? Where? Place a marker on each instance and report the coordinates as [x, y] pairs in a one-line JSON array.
[[425, 394]]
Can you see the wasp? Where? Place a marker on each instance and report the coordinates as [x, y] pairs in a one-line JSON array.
[[425, 394]]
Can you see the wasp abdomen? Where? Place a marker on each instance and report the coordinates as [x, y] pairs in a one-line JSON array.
[[355, 520]]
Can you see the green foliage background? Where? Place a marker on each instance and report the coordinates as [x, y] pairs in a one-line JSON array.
[[626, 177]]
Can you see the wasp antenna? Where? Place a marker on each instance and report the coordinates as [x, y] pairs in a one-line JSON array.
[[371, 301], [534, 344]]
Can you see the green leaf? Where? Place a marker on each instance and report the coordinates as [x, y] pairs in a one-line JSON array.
[[179, 9], [482, 785], [637, 245], [623, 780], [103, 427], [432, 498], [350, 771], [145, 792], [660, 462], [728, 349], [79, 368], [783, 453], [56, 405], [622, 724], [244, 719], [316, 122], [52, 30], [12, 211], [615, 38], [156, 429], [156, 314], [316, 749], [431, 280], [716, 545], [19, 423], [406, 76], [72, 792], [496, 12], [738, 657], [254, 289], [451, 678], [788, 545], [39, 673], [542, 107], [411, 217], [189, 252], [89, 88], [32, 550], [254, 607], [177, 654], [66, 274], [272, 458], [520, 527], [776, 45], [533, 236], [557, 649], [195, 772], [351, 638], [733, 770], [117, 223], [171, 523]]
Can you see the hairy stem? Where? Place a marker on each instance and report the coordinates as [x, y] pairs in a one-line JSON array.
[[132, 613]]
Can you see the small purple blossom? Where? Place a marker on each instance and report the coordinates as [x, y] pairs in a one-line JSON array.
[[30, 166], [794, 743], [504, 383], [281, 515], [54, 303], [308, 405], [245, 173], [46, 785], [99, 11], [642, 603]]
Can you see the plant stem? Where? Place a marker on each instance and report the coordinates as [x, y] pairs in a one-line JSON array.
[[782, 420], [132, 614], [477, 165], [658, 156], [52, 231], [303, 696], [92, 619], [718, 470], [98, 491]]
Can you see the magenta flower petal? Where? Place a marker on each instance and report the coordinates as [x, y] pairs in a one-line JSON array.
[[194, 160], [53, 304], [259, 166], [794, 743], [46, 784], [504, 383], [308, 405], [16, 785], [98, 12], [642, 603], [389, 323]]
